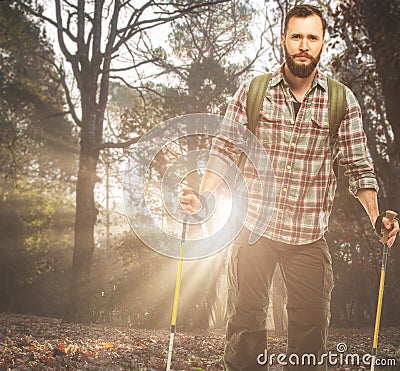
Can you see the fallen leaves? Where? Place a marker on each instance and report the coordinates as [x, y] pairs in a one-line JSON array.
[[31, 342], [38, 343]]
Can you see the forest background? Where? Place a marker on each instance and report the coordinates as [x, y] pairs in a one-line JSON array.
[[81, 82]]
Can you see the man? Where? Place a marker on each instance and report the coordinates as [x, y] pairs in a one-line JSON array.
[[293, 128]]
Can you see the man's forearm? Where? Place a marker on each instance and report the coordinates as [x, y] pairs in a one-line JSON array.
[[210, 181], [213, 176], [369, 200]]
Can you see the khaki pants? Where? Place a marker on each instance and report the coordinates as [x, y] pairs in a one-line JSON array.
[[307, 273]]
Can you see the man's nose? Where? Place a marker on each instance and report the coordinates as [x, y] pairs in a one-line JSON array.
[[304, 45]]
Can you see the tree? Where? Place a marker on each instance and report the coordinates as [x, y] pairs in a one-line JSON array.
[[366, 27], [381, 22], [210, 51], [367, 67], [90, 36]]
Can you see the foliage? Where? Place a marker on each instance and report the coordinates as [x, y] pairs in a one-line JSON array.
[[208, 56], [381, 22], [127, 285], [35, 243], [356, 251], [216, 32], [35, 138], [36, 163]]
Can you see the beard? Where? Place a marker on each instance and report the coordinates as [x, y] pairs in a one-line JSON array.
[[300, 69]]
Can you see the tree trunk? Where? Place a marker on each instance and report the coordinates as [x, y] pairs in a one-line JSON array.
[[80, 296]]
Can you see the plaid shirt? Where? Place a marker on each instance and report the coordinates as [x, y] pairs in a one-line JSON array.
[[301, 158]]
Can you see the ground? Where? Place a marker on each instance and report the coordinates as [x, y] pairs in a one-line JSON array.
[[40, 343]]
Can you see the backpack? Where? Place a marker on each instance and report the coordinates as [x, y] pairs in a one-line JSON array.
[[336, 101]]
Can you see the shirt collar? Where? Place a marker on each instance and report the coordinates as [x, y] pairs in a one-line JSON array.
[[320, 79]]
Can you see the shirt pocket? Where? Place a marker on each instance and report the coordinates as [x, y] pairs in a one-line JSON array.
[[314, 137], [273, 127]]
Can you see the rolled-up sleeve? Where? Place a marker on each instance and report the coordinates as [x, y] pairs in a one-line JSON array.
[[232, 126], [352, 143]]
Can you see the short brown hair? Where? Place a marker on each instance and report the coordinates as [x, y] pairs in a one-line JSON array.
[[304, 11]]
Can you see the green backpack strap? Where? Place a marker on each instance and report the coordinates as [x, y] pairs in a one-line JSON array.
[[337, 111], [255, 98]]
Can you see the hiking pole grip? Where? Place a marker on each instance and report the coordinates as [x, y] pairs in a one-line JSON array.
[[391, 215]]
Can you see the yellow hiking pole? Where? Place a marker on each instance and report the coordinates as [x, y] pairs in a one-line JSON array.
[[176, 296], [390, 215]]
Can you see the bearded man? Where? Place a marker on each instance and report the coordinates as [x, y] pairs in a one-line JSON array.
[[294, 130]]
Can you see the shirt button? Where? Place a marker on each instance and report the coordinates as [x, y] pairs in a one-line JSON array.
[[293, 145], [280, 211], [288, 167], [284, 190]]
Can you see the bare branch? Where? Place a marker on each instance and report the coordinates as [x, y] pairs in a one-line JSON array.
[[60, 35], [113, 29], [70, 103], [260, 51], [97, 26], [62, 113], [155, 59], [139, 26], [138, 88], [133, 20], [48, 20], [126, 144], [71, 5]]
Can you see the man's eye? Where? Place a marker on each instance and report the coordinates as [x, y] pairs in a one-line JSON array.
[[296, 37]]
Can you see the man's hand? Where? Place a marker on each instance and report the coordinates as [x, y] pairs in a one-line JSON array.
[[387, 226], [392, 227], [189, 201]]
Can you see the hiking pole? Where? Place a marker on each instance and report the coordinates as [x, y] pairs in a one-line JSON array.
[[390, 215], [176, 296]]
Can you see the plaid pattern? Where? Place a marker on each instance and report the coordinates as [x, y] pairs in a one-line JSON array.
[[301, 157]]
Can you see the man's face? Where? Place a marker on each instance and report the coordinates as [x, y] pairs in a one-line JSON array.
[[303, 44]]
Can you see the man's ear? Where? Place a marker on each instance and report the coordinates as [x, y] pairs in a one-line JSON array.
[[283, 42]]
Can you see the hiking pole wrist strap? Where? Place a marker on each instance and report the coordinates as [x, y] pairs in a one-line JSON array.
[[208, 203]]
